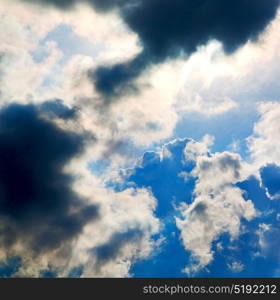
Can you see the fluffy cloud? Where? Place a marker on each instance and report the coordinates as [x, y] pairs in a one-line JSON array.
[[24, 29], [268, 240], [199, 190], [17, 43], [102, 5], [158, 106], [214, 82], [53, 216], [263, 145], [162, 40], [236, 267], [104, 234], [218, 205], [39, 209], [53, 76]]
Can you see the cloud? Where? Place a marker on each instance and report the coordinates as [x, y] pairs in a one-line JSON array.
[[121, 237], [199, 199], [155, 106], [39, 210], [29, 29], [264, 143], [215, 198], [110, 250], [191, 24], [218, 205], [159, 171], [29, 32], [268, 241], [31, 57], [215, 82], [56, 108], [55, 215], [116, 211]]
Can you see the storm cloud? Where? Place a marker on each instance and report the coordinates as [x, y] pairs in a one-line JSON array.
[[171, 28], [38, 207], [168, 29]]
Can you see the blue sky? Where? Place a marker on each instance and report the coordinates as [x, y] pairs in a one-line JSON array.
[[138, 148], [68, 42], [246, 253]]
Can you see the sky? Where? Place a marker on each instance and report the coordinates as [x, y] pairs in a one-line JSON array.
[[139, 138]]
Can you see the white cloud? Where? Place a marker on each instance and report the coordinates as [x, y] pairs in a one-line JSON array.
[[217, 207], [23, 27], [126, 225], [264, 145], [214, 83], [143, 119], [20, 75], [195, 149], [209, 83]]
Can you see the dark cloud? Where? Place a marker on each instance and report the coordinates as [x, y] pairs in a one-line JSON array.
[[38, 207], [76, 272], [167, 29], [59, 3], [100, 5], [110, 250], [112, 81], [160, 174], [200, 210], [170, 28], [2, 57], [117, 147], [56, 109]]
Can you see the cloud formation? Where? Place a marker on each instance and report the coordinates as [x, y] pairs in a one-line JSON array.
[[121, 237], [264, 143], [218, 205], [198, 193], [101, 232], [55, 216], [168, 29], [38, 207]]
